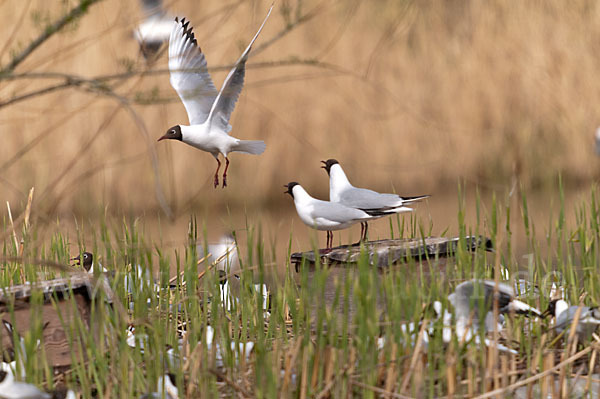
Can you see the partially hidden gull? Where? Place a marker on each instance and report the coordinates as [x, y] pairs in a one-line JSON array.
[[473, 296], [564, 315], [86, 260], [11, 389]]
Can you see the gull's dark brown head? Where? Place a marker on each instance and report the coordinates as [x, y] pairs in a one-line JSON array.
[[174, 133], [290, 187], [88, 260], [551, 310], [328, 164]]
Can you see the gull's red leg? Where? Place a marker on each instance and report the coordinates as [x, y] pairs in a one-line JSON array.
[[225, 172], [217, 173], [364, 237]]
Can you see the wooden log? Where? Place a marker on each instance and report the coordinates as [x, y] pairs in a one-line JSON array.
[[383, 253], [56, 313]]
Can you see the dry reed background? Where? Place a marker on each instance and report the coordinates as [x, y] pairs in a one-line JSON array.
[[409, 95]]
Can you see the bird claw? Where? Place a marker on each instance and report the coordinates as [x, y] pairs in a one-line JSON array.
[[224, 181], [216, 181]]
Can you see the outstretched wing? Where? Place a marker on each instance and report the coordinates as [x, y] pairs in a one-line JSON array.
[[189, 74], [232, 87]]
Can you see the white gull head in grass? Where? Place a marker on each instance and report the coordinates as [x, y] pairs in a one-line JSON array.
[[342, 191], [564, 317], [225, 252], [326, 215], [208, 111]]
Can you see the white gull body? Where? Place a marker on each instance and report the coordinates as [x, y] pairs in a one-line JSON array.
[[11, 389], [343, 192], [589, 319], [326, 215]]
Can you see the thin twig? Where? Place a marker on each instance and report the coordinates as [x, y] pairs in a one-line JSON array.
[[379, 390], [12, 225], [16, 28], [50, 30], [539, 375], [28, 208], [232, 384]]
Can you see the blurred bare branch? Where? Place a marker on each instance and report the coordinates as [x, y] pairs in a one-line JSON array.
[[50, 30], [13, 34], [290, 26], [100, 85]]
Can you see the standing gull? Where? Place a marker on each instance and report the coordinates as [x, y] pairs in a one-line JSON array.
[[325, 215], [208, 111], [342, 191]]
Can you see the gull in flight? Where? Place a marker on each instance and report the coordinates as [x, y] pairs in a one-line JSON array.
[[208, 111], [340, 190], [154, 30], [325, 215]]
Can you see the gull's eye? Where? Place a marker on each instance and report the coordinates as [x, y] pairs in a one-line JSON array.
[[172, 131]]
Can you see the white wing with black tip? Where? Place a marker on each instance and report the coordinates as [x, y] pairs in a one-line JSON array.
[[189, 73], [232, 87]]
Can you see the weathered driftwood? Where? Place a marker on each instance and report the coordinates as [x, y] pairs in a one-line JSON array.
[[56, 312], [383, 253], [432, 254]]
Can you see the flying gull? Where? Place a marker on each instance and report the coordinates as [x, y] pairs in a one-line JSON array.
[[208, 111]]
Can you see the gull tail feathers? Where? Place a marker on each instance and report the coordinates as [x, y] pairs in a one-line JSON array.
[[388, 211], [250, 147], [415, 199]]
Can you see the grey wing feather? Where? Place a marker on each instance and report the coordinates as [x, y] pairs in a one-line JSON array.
[[506, 294], [368, 199], [224, 104], [337, 213]]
